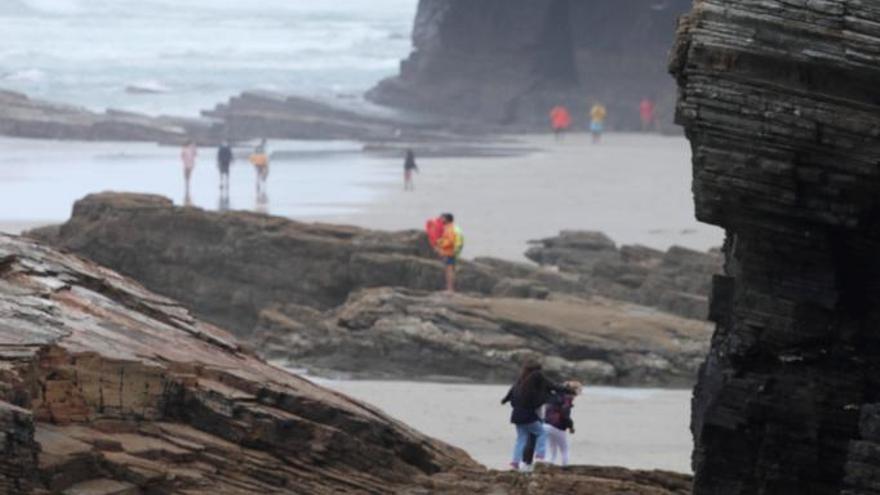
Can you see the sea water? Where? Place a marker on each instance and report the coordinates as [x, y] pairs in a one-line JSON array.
[[179, 57], [636, 428]]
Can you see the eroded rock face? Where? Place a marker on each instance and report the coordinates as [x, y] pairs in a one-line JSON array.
[[779, 100], [677, 281], [388, 332], [123, 387], [510, 61]]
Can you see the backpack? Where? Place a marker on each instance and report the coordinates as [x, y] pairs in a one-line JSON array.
[[558, 411]]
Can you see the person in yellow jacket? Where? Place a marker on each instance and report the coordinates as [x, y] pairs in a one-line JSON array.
[[260, 160], [597, 121], [448, 247]]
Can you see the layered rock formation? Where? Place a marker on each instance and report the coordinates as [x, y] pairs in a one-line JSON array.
[[678, 280], [509, 61], [389, 332], [21, 116], [288, 286], [106, 388], [779, 100]]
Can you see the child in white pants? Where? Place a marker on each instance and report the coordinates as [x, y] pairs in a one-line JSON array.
[[557, 419]]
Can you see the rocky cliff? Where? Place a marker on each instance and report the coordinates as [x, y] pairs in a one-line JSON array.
[[104, 385], [311, 293], [109, 389], [779, 100], [509, 61]]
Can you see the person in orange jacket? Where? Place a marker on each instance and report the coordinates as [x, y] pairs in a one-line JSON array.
[[560, 121], [447, 248]]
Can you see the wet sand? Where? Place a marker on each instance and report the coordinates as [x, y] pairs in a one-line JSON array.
[[634, 428], [634, 187]]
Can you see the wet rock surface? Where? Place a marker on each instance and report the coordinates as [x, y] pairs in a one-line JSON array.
[[678, 280], [21, 116], [392, 333], [510, 61], [779, 101], [285, 285], [123, 389]]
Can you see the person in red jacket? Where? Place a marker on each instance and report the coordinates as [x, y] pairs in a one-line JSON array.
[[648, 114], [560, 121]]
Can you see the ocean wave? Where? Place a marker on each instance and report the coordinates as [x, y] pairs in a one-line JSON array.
[[25, 75], [147, 87]]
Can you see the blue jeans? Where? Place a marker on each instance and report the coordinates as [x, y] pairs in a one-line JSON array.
[[522, 436]]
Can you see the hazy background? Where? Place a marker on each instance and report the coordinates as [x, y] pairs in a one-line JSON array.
[[198, 52]]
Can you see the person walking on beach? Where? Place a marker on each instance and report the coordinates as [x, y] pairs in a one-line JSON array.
[[224, 160], [647, 114], [597, 121], [560, 121], [409, 166], [530, 391], [557, 420], [188, 157], [449, 246], [260, 161]]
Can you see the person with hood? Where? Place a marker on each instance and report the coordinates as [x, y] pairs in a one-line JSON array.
[[531, 390], [409, 166]]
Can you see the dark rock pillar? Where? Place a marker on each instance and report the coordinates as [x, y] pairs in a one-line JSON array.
[[781, 102]]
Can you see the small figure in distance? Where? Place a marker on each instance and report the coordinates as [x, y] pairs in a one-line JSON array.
[[260, 161], [224, 160], [560, 121], [188, 156], [597, 121], [449, 246], [648, 114], [409, 167]]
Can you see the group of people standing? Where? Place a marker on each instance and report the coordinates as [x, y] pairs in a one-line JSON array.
[[561, 120], [259, 158], [541, 414]]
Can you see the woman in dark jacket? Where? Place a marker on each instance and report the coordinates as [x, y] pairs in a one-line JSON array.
[[529, 393]]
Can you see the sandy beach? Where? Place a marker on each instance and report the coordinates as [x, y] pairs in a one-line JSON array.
[[633, 187], [635, 428]]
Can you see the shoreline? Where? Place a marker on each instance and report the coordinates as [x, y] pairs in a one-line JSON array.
[[639, 428]]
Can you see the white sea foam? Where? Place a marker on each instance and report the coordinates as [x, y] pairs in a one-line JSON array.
[[198, 52], [25, 76]]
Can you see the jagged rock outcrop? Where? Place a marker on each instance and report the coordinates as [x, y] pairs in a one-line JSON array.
[[106, 388], [509, 61], [678, 280], [285, 285], [779, 101], [21, 116], [389, 332], [121, 388]]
